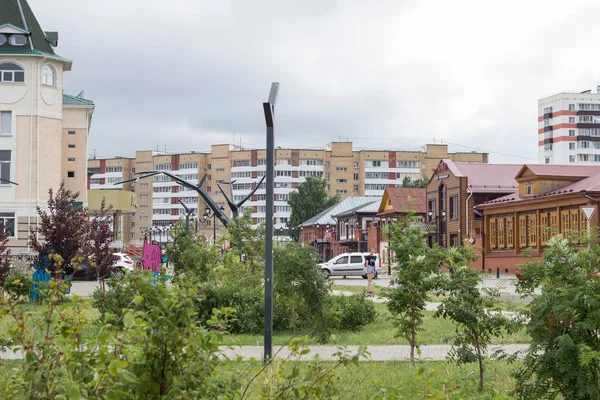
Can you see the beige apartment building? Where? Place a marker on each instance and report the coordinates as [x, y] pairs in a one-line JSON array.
[[349, 172], [43, 131]]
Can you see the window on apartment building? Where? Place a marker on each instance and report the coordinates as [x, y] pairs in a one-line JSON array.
[[356, 188], [219, 193], [143, 196], [327, 175], [283, 161], [261, 161], [304, 174], [70, 132], [113, 180], [376, 163], [571, 120], [6, 122], [453, 239], [163, 167], [571, 132], [143, 185], [547, 160], [571, 159], [4, 165], [453, 211], [208, 166], [583, 157], [132, 236], [188, 165], [283, 173], [571, 146], [355, 177], [133, 170], [71, 174], [114, 169], [220, 181], [71, 146], [327, 163], [546, 122], [583, 145], [341, 180], [571, 107], [341, 191], [356, 165], [208, 189], [342, 169], [528, 188], [208, 177], [220, 169], [238, 163], [95, 181], [7, 223], [328, 188], [548, 147], [71, 159], [10, 72]]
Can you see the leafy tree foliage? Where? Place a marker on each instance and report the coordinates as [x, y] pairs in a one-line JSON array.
[[563, 360], [407, 182], [309, 200], [63, 226], [99, 237], [414, 279], [4, 261], [474, 310]]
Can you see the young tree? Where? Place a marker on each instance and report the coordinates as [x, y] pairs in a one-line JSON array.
[[63, 226], [4, 261], [310, 199], [100, 236], [417, 265], [563, 360], [478, 319]]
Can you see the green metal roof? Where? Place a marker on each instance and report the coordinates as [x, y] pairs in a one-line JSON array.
[[76, 101], [18, 14]]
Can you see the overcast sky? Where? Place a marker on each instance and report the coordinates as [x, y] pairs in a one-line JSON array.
[[384, 74]]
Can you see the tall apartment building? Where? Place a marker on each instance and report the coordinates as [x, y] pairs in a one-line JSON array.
[[43, 132], [348, 172], [569, 128]]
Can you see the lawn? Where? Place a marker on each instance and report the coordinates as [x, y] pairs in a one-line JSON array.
[[381, 332], [372, 379]]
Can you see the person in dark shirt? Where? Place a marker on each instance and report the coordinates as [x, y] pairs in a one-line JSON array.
[[370, 265]]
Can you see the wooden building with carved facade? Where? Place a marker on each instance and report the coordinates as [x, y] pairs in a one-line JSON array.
[[549, 200], [454, 189]]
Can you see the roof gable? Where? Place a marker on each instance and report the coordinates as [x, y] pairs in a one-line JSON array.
[[558, 171], [10, 28], [404, 200]]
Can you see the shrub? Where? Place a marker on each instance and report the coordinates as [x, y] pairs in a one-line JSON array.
[[353, 312], [115, 300], [18, 284]]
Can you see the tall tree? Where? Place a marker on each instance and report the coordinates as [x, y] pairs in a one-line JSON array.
[[100, 236], [310, 199], [407, 182], [63, 226]]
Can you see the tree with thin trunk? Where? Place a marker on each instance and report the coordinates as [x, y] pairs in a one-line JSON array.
[[415, 278], [100, 236], [476, 314], [64, 226], [4, 260]]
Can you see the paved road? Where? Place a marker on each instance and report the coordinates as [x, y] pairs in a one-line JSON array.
[[327, 353]]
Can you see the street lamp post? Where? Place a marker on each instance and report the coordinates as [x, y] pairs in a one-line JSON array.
[[188, 213], [438, 223], [269, 111], [208, 214]]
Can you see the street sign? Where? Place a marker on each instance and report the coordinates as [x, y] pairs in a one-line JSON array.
[[588, 211]]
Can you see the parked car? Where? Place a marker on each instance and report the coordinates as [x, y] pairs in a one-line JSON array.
[[122, 264], [349, 264]]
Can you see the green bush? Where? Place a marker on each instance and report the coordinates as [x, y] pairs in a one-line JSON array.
[[353, 312], [113, 303], [18, 284]]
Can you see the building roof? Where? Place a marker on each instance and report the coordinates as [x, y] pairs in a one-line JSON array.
[[326, 216], [589, 184], [577, 171], [403, 200], [486, 178], [367, 208], [75, 100], [18, 14]]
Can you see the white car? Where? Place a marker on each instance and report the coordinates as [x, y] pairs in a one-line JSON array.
[[349, 264], [122, 263]]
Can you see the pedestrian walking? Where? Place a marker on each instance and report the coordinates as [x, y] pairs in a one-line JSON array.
[[370, 261]]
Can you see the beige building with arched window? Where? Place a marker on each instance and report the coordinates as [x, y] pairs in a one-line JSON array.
[[43, 132]]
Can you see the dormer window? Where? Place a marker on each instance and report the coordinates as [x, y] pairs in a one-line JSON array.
[[48, 76], [18, 40], [2, 39], [10, 72], [528, 188]]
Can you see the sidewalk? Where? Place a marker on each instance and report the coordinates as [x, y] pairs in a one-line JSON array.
[[326, 353]]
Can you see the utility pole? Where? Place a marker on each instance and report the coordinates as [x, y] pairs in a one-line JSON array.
[[269, 110]]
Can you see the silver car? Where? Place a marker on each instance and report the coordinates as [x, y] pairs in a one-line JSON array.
[[349, 264]]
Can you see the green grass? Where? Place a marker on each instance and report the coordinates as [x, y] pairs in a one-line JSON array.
[[381, 332], [34, 318], [397, 379]]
